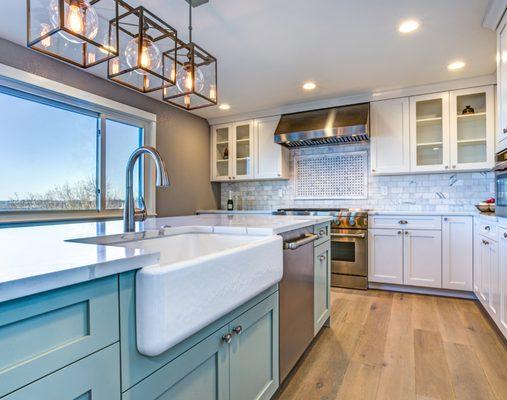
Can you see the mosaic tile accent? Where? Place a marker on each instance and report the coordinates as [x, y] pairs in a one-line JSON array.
[[428, 192]]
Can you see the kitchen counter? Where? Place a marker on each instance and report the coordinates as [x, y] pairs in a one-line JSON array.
[[38, 258], [436, 213], [233, 212]]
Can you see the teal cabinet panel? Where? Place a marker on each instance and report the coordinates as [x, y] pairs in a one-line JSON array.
[[201, 373], [135, 366], [254, 352], [44, 332], [323, 231], [322, 285], [96, 377]]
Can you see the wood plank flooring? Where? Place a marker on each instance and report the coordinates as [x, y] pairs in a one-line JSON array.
[[394, 346]]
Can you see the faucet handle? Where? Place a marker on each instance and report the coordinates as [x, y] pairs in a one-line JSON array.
[[140, 214]]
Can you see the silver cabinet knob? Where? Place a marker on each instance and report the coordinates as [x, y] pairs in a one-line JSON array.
[[487, 228], [373, 170], [485, 242], [399, 232], [227, 338], [322, 258], [454, 166], [237, 330], [446, 219], [446, 167], [406, 232], [233, 177]]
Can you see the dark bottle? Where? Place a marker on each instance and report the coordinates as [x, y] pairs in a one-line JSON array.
[[230, 203], [226, 154]]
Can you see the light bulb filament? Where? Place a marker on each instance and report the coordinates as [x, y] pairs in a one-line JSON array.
[[75, 20], [189, 81], [145, 58], [45, 30]]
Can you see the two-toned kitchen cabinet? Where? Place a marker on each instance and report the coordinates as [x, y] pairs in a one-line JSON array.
[[246, 151], [437, 132], [322, 277]]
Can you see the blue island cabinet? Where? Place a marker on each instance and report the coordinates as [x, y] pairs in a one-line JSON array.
[[239, 361]]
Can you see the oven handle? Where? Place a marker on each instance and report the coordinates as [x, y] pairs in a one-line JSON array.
[[297, 243], [349, 235]]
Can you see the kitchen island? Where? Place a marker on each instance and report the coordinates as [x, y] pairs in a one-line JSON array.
[[76, 304]]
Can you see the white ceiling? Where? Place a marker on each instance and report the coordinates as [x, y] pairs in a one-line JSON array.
[[268, 48]]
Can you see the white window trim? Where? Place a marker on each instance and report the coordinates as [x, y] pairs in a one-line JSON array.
[[31, 83]]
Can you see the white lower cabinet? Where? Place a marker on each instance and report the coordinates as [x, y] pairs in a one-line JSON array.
[[422, 264], [457, 253], [502, 266], [385, 256]]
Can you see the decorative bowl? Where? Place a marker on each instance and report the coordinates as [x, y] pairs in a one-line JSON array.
[[483, 207]]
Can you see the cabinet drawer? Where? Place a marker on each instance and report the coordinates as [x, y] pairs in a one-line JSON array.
[[405, 222], [322, 231], [44, 332], [485, 228], [95, 377]]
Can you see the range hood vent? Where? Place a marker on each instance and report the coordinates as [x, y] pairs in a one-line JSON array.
[[337, 125]]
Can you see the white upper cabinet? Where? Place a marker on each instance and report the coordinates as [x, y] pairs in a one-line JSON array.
[[221, 150], [501, 71], [243, 150], [390, 147], [247, 151], [472, 128], [429, 132], [271, 158]]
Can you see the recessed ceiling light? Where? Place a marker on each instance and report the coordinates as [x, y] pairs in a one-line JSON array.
[[309, 86], [224, 107], [456, 65], [410, 25]]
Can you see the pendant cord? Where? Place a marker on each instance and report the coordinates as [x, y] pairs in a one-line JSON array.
[[190, 21]]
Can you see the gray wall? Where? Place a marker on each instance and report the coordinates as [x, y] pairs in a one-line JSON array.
[[182, 138]]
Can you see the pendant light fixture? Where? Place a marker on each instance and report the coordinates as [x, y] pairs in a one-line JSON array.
[[195, 74], [144, 40], [80, 32]]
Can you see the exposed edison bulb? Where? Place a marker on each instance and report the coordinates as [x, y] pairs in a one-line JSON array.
[[151, 57], [45, 28], [185, 79], [115, 66], [213, 92], [79, 17], [187, 100]]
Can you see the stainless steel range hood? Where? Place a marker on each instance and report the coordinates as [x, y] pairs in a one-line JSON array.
[[337, 125]]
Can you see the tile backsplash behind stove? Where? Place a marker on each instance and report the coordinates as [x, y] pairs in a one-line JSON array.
[[428, 192]]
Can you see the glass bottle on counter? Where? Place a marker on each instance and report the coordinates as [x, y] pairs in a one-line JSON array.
[[230, 202]]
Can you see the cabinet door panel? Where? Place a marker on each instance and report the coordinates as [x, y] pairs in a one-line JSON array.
[[423, 258], [270, 156], [254, 352], [385, 255], [221, 153], [429, 132], [322, 284], [457, 257], [485, 260], [201, 373], [502, 261], [390, 148], [96, 377], [501, 136], [494, 291], [243, 159], [477, 262]]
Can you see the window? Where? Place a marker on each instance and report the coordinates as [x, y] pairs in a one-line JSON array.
[[59, 157]]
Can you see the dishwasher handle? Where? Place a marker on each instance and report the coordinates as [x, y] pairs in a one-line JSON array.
[[301, 241]]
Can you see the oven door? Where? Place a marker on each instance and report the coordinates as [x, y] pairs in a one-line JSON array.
[[501, 193], [349, 252]]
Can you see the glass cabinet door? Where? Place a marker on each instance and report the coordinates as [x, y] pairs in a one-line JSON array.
[[472, 128], [222, 149], [243, 154], [430, 132]]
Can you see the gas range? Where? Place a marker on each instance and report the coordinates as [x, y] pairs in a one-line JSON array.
[[349, 244], [344, 218]]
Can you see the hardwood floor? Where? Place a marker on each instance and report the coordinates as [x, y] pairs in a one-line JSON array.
[[395, 346]]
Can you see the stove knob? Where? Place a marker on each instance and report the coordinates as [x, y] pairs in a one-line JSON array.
[[352, 222], [337, 222]]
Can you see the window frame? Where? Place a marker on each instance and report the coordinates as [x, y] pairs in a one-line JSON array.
[[35, 88]]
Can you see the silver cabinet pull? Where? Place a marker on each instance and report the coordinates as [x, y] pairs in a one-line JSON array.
[[403, 222], [505, 130], [322, 258], [487, 228], [227, 338], [237, 330], [485, 242], [505, 235]]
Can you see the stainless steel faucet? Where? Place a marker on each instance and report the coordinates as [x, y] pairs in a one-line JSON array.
[[162, 180]]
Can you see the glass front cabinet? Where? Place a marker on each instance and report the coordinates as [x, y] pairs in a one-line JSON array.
[[452, 130], [232, 151]]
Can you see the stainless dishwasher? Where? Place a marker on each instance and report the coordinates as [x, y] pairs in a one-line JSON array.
[[296, 297]]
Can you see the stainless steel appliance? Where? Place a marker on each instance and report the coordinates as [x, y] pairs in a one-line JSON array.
[[296, 298], [337, 125], [501, 184], [349, 244]]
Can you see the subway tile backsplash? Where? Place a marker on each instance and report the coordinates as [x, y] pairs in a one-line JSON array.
[[428, 192]]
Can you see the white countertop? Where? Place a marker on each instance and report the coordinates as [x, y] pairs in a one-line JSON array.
[[449, 213], [38, 258], [262, 212]]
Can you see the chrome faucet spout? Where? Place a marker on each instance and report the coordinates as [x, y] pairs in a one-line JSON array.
[[162, 180]]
